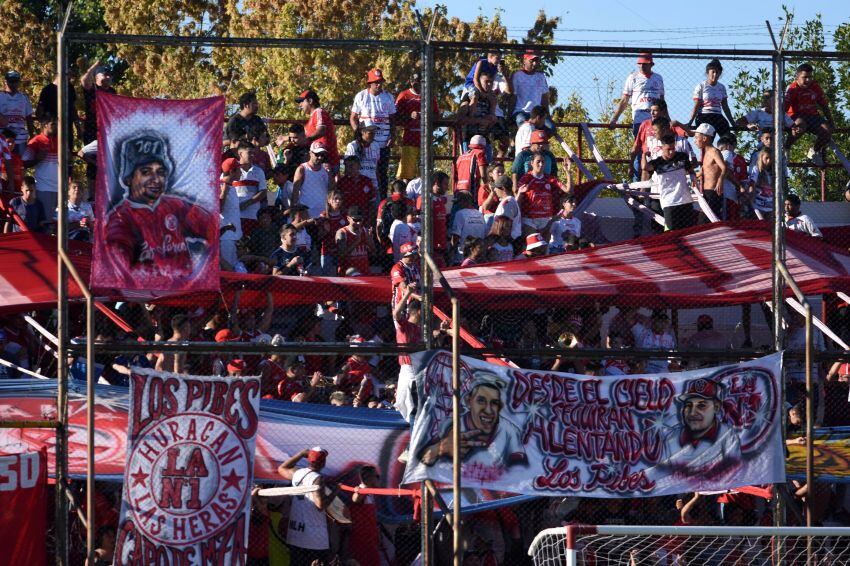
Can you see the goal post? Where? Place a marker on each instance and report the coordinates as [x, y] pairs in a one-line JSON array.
[[627, 545]]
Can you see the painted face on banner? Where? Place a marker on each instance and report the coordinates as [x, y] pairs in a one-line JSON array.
[[148, 182], [485, 403], [699, 414]]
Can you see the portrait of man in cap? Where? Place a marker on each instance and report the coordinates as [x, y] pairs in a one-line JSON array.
[[150, 232], [702, 445], [487, 438]]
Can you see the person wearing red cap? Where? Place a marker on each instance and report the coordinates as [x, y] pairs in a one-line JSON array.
[[405, 276], [641, 88], [231, 217], [530, 87], [470, 169], [235, 368], [307, 535], [373, 106], [319, 126], [703, 446], [537, 197], [313, 181]]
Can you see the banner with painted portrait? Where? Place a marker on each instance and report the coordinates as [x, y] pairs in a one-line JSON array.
[[547, 433], [187, 482], [156, 203]]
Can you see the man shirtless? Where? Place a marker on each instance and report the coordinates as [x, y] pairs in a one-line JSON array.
[[712, 171]]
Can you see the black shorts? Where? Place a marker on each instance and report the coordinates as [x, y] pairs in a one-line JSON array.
[[721, 126], [679, 216], [812, 122]]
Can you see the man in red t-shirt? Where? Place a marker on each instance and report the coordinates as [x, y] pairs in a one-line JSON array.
[[404, 275], [407, 331], [357, 189], [408, 106], [439, 215], [319, 127], [804, 102]]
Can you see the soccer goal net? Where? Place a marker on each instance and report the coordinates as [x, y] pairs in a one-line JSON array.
[[609, 545]]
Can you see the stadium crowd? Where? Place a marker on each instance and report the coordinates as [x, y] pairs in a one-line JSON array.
[[304, 202]]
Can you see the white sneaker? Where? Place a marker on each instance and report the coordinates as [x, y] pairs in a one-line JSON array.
[[404, 456], [816, 157]]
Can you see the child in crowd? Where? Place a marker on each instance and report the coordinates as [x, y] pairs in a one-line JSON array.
[[330, 222], [710, 100], [566, 229]]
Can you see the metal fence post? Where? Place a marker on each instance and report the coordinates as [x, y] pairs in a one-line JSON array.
[[61, 303], [425, 160]]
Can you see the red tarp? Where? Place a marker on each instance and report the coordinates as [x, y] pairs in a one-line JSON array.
[[714, 264]]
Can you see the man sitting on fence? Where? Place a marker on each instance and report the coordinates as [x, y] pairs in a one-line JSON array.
[[804, 102]]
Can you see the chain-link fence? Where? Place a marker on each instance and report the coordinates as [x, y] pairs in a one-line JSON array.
[[522, 135]]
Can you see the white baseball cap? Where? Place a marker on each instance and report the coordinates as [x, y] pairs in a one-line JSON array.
[[478, 140], [705, 129]]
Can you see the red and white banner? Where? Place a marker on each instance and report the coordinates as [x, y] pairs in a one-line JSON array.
[[156, 204], [189, 472], [23, 508]]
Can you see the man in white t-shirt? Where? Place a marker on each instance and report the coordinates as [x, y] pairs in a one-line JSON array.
[[508, 206], [374, 106], [16, 111], [307, 535], [251, 185], [641, 88], [468, 221], [796, 220], [530, 87]]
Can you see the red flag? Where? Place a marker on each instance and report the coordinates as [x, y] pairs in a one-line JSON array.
[[23, 508]]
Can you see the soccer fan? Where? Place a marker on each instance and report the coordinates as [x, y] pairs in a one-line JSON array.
[[319, 126], [354, 245], [260, 139], [48, 105], [407, 331], [246, 120], [97, 78], [522, 161], [537, 197], [29, 208], [280, 178], [487, 64], [508, 206], [357, 189], [368, 151], [231, 218], [312, 181], [501, 247], [470, 170], [181, 331], [711, 102], [10, 175], [762, 117], [250, 187], [535, 246], [265, 237], [655, 336], [439, 215], [408, 105], [374, 106], [641, 88], [804, 103], [566, 229], [307, 535], [712, 170], [288, 259], [474, 251], [80, 214], [300, 218], [670, 172], [42, 153], [467, 221], [404, 275], [530, 89], [536, 121], [736, 176], [16, 110], [384, 219], [796, 220], [477, 114], [330, 222], [293, 149], [762, 178], [365, 539], [404, 228], [488, 200]]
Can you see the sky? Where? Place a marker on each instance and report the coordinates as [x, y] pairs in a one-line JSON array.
[[724, 24]]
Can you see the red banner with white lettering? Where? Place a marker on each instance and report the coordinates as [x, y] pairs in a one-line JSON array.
[[156, 204], [23, 508], [189, 472]]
